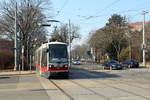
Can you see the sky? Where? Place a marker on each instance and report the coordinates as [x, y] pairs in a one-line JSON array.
[[91, 15]]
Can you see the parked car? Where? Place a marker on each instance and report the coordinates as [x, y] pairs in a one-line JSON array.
[[112, 64], [76, 62], [131, 63]]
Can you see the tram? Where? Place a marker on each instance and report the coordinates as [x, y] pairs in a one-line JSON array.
[[51, 59]]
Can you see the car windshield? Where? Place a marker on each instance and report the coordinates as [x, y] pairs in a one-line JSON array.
[[76, 60], [133, 61], [128, 61], [113, 61], [58, 53]]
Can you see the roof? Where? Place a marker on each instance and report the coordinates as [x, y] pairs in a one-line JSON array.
[[46, 44], [56, 43], [139, 23]]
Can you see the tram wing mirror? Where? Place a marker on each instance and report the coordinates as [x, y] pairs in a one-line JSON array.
[[47, 50]]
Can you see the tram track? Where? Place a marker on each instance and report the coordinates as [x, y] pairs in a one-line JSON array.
[[125, 82], [105, 97], [80, 86], [63, 91], [123, 90], [90, 90], [139, 86]]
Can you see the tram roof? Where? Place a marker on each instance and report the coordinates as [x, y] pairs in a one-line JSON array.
[[46, 44], [56, 43]]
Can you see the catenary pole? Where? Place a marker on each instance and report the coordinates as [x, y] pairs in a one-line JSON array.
[[15, 40], [144, 44], [69, 43]]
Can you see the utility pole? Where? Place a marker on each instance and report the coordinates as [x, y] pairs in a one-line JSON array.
[[144, 44], [30, 61], [129, 39], [130, 52], [22, 51], [69, 43], [15, 40]]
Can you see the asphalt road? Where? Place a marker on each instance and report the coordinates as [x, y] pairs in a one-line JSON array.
[[83, 84]]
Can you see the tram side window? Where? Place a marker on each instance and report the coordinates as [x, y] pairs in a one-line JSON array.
[[44, 58], [35, 58], [38, 58]]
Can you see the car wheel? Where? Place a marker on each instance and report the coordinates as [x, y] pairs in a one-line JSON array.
[[129, 66], [124, 68], [110, 67]]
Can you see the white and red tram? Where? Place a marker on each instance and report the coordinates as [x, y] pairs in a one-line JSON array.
[[52, 58]]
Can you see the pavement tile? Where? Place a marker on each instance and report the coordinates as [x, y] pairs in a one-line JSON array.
[[128, 98]]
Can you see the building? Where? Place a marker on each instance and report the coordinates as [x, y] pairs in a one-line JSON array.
[[137, 26]]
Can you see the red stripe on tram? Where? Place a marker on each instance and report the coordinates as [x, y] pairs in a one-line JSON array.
[[51, 68], [58, 68], [41, 68]]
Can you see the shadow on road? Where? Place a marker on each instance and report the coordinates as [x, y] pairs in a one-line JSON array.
[[78, 73], [140, 67], [4, 77], [8, 79], [37, 90]]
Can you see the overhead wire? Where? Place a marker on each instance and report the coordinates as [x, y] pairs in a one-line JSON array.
[[125, 11], [106, 7], [63, 6], [120, 12], [133, 10]]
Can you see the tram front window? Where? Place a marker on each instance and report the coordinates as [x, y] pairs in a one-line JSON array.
[[58, 53]]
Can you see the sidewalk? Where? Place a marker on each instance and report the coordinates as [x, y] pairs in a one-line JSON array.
[[17, 72], [147, 65]]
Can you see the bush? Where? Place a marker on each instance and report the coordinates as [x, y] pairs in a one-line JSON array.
[[6, 54]]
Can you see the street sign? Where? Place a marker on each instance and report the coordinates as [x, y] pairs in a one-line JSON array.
[[143, 46], [22, 57], [145, 50]]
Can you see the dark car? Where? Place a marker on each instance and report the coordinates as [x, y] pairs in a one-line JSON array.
[[112, 64], [131, 63]]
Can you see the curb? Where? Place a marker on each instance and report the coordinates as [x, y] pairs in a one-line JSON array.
[[18, 73]]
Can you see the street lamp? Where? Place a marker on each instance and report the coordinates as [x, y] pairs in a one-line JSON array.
[[53, 21], [49, 25], [144, 44]]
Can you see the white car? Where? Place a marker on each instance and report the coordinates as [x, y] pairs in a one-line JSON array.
[[76, 62]]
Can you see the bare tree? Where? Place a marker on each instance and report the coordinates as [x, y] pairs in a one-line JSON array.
[[30, 14], [80, 51], [62, 33], [110, 39]]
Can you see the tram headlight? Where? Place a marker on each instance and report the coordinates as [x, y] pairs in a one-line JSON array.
[[65, 66], [52, 66]]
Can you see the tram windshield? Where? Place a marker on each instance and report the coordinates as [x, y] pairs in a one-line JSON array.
[[58, 53]]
